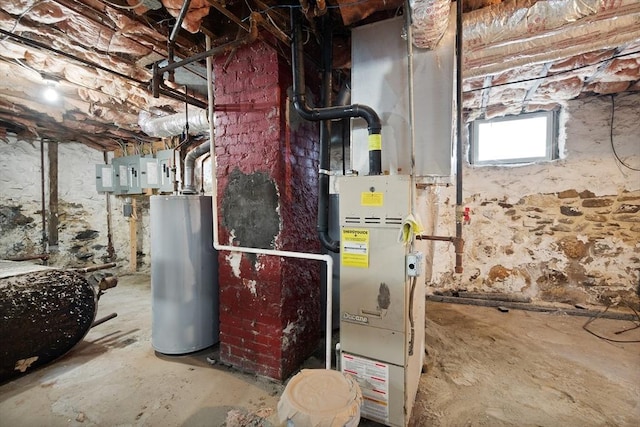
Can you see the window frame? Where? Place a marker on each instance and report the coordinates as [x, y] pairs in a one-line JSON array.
[[552, 136]]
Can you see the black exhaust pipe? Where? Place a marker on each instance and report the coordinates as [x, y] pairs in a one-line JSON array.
[[325, 114]]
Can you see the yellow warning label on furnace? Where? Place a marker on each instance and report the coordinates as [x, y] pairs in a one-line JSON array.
[[355, 247], [371, 198]]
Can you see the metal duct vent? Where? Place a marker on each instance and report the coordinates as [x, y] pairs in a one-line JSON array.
[[174, 124]]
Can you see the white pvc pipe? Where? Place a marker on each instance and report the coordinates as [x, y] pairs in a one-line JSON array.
[[287, 254]]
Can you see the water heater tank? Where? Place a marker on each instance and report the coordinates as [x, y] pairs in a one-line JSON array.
[[184, 275]]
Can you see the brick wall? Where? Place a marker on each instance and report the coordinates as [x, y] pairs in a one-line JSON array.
[[267, 187]]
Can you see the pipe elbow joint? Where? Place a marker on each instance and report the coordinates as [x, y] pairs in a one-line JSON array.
[[300, 105], [328, 242]]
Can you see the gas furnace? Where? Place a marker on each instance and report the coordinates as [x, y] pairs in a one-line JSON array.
[[382, 300]]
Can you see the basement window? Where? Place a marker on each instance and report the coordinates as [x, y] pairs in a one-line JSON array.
[[513, 140]]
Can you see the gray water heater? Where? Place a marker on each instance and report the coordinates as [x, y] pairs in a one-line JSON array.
[[184, 275]]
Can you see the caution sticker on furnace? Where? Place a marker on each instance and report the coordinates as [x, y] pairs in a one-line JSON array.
[[355, 247], [373, 379]]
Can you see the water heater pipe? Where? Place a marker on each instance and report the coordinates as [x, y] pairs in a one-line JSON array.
[[204, 159], [258, 251], [330, 113], [189, 166]]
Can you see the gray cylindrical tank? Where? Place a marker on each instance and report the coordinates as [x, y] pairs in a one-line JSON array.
[[184, 275]]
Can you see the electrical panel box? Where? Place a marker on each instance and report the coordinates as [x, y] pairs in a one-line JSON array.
[[149, 174], [165, 179], [127, 175], [382, 301], [104, 179]]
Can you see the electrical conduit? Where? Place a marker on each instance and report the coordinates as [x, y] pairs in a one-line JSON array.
[[459, 242]]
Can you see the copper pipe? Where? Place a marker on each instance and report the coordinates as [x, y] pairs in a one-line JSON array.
[[458, 243], [439, 238]]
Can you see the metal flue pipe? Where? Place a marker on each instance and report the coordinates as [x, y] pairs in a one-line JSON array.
[[190, 164]]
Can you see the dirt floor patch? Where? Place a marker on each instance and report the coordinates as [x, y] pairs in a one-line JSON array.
[[487, 368]]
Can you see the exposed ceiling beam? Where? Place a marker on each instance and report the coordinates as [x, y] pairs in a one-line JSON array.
[[233, 18]]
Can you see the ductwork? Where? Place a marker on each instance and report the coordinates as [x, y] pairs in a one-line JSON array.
[[189, 166], [429, 21], [174, 124], [516, 33]]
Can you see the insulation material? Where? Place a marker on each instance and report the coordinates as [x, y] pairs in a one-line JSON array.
[[18, 7], [605, 88], [501, 110], [581, 60], [623, 69], [430, 19], [515, 33], [519, 18], [353, 12], [198, 9], [130, 27], [559, 88], [47, 13]]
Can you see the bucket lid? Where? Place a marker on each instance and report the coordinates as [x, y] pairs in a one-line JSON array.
[[320, 397]]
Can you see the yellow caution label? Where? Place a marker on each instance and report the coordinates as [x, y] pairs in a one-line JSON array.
[[375, 142], [372, 198], [355, 247]]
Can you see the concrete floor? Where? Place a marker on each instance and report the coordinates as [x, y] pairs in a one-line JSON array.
[[114, 377], [485, 369]]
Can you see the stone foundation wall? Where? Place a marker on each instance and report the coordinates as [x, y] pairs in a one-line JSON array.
[[82, 230], [566, 231]]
